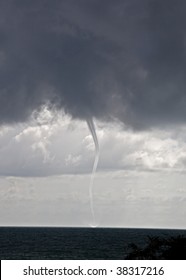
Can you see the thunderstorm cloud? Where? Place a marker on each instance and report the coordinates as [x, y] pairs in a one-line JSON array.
[[119, 60]]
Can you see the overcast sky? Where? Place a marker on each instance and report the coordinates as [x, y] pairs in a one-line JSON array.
[[121, 63]]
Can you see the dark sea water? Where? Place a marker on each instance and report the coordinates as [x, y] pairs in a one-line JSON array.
[[76, 243]]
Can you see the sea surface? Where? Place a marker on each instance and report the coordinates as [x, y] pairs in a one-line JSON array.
[[75, 243]]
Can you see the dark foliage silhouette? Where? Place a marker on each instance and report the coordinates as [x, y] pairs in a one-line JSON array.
[[172, 248]]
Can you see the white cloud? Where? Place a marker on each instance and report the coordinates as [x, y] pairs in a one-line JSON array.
[[73, 160], [55, 144]]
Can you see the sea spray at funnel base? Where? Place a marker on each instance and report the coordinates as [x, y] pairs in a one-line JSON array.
[[91, 127]]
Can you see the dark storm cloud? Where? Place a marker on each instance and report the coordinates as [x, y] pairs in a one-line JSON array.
[[106, 59]]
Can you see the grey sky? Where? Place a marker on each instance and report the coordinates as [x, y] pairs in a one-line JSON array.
[[122, 63], [45, 174]]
